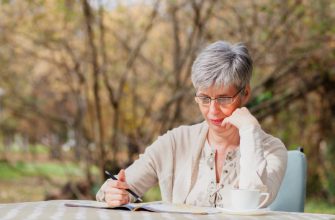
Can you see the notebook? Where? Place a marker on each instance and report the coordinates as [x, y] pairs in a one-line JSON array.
[[157, 206]]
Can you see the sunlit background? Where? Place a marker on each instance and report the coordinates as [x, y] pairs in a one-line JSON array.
[[87, 85]]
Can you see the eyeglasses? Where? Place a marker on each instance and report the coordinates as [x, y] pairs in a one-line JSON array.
[[222, 101]]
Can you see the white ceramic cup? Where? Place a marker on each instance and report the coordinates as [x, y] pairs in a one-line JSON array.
[[242, 199]]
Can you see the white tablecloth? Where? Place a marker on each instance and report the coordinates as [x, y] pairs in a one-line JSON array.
[[56, 209]]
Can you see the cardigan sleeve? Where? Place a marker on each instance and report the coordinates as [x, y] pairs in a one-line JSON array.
[[263, 161], [154, 166]]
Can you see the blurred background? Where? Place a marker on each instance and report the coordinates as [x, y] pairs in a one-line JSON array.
[[87, 85]]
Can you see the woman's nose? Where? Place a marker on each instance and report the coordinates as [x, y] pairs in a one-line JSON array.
[[214, 107]]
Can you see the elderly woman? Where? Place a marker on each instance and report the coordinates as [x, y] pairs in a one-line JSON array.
[[195, 164]]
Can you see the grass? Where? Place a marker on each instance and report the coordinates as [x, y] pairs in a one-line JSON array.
[[34, 149], [30, 181], [319, 206], [48, 169]]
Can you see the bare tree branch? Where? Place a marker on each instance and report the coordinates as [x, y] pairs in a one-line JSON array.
[[96, 87]]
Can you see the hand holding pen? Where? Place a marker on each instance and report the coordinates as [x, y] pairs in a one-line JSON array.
[[116, 192]]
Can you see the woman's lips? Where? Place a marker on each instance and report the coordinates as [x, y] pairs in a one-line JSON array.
[[217, 122]]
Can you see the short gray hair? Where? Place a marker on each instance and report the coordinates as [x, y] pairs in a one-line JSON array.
[[222, 64]]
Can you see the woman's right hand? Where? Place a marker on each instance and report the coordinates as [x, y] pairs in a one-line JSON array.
[[115, 190]]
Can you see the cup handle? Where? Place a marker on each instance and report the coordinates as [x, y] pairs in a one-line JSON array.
[[267, 195]]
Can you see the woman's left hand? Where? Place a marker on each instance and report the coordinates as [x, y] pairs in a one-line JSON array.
[[239, 118]]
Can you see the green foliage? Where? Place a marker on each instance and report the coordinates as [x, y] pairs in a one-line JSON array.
[[329, 156], [154, 194], [3, 2], [264, 96], [294, 146], [38, 149], [67, 7]]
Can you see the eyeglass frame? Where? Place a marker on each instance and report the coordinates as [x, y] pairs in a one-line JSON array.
[[232, 98]]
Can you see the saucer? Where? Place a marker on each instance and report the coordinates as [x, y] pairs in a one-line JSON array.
[[261, 211]]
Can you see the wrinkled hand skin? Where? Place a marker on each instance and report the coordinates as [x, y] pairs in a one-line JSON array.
[[240, 118], [115, 191]]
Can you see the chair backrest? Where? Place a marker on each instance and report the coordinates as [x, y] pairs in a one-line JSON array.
[[292, 192]]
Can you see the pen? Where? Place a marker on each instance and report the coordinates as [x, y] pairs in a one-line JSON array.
[[138, 199]]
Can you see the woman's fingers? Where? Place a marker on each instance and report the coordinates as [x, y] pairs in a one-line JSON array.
[[122, 175], [113, 190], [117, 202], [117, 184], [226, 123], [115, 197], [239, 118]]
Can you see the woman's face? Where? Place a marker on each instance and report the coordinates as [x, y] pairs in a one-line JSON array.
[[214, 113]]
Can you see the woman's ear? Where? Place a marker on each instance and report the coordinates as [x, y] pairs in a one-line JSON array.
[[245, 96]]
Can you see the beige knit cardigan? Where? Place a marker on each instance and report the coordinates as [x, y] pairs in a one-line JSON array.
[[172, 161]]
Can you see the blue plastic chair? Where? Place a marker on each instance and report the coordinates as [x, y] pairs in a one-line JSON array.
[[292, 192]]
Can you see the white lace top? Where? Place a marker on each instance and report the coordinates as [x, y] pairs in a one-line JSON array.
[[216, 194]]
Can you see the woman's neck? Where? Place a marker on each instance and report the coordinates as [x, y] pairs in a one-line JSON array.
[[224, 139]]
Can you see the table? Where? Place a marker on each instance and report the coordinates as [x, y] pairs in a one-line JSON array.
[[55, 209]]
